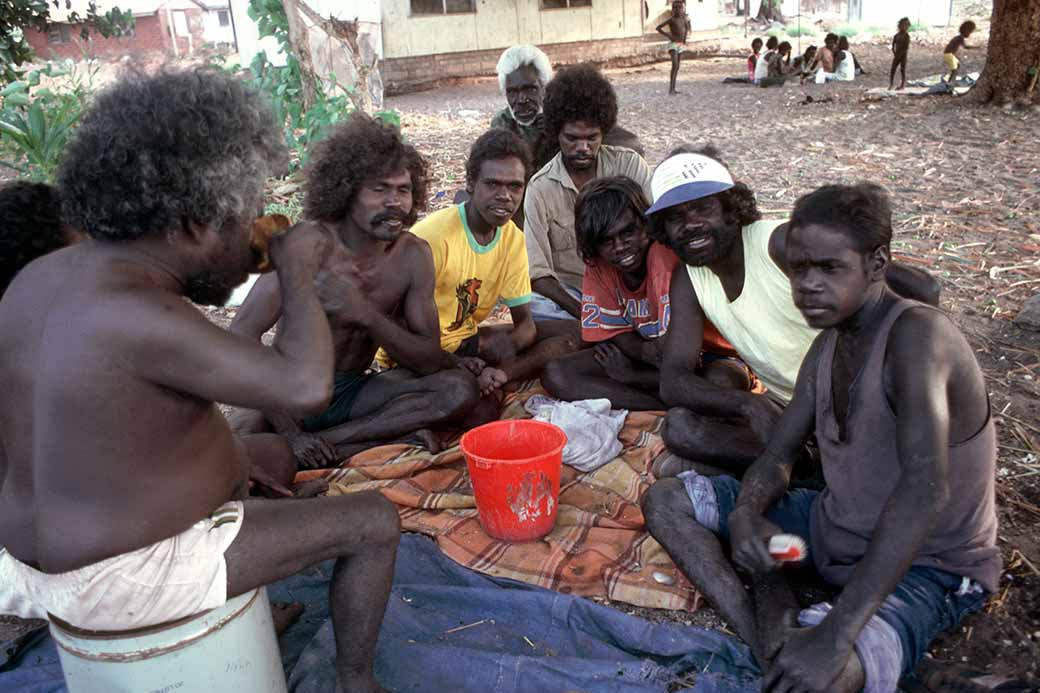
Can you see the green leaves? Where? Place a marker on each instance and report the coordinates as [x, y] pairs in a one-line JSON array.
[[36, 126]]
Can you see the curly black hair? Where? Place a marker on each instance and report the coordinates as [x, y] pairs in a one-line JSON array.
[[966, 28], [360, 149], [497, 143], [579, 93], [863, 212], [32, 226], [155, 151], [601, 202], [738, 203]]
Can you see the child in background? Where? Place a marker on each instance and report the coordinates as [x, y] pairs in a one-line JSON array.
[[843, 45], [955, 44], [678, 29], [802, 62], [900, 49], [752, 60], [762, 64]]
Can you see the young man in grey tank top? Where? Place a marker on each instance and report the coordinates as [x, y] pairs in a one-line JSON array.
[[906, 526]]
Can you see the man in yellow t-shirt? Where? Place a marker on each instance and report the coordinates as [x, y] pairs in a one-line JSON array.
[[479, 257]]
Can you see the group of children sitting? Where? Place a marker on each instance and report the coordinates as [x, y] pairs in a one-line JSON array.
[[833, 62], [836, 62]]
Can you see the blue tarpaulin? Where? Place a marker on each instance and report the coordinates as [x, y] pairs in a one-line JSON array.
[[525, 639]]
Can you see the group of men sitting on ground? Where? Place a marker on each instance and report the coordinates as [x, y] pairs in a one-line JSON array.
[[774, 345]]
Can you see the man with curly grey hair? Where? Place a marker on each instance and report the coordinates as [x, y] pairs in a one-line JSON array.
[[122, 488]]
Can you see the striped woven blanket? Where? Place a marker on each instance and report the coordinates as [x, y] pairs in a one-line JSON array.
[[600, 546]]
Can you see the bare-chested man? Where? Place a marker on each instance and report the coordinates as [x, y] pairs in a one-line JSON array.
[[32, 227], [365, 187], [121, 480]]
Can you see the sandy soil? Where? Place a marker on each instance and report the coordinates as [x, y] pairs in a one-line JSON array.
[[967, 201]]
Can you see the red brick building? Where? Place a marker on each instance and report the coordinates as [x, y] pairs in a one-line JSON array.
[[168, 27]]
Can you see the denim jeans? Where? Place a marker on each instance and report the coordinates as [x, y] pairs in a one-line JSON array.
[[544, 308], [926, 601]]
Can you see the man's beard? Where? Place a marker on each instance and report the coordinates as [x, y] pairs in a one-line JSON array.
[[531, 121], [723, 241], [208, 288]]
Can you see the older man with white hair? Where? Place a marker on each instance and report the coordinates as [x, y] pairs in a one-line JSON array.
[[523, 71]]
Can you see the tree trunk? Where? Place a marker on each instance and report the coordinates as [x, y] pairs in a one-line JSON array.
[[1014, 48], [366, 91], [301, 49], [769, 11]]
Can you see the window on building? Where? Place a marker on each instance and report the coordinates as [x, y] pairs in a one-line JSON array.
[[223, 18], [443, 6], [59, 33], [564, 4]]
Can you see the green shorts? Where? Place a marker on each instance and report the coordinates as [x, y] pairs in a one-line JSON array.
[[345, 388]]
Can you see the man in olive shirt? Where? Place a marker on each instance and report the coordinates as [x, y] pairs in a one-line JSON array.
[[580, 105]]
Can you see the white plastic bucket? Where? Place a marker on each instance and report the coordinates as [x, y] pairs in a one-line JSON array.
[[230, 648]]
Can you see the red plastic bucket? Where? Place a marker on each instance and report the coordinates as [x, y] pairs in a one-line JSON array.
[[514, 467]]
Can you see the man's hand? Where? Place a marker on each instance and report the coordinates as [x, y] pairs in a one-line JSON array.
[[340, 297], [762, 414], [259, 476], [749, 539], [473, 364], [313, 452], [496, 347], [810, 660], [651, 352], [491, 379], [617, 366], [302, 248]]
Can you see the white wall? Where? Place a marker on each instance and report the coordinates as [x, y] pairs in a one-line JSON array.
[[503, 23], [212, 32], [249, 41], [704, 14], [888, 12]]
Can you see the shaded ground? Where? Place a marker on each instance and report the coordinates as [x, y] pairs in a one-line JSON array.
[[965, 185], [967, 201]]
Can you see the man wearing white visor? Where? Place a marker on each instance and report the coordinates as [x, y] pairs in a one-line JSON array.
[[736, 277]]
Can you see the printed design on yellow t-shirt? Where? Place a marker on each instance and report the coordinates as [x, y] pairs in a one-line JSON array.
[[468, 297]]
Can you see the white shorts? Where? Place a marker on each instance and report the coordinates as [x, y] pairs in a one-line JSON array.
[[171, 579]]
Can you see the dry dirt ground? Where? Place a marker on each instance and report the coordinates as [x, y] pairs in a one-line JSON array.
[[966, 188]]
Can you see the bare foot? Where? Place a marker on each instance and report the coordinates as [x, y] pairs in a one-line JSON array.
[[310, 489], [770, 640], [948, 677], [491, 379], [284, 615], [425, 438], [901, 87], [670, 464]]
